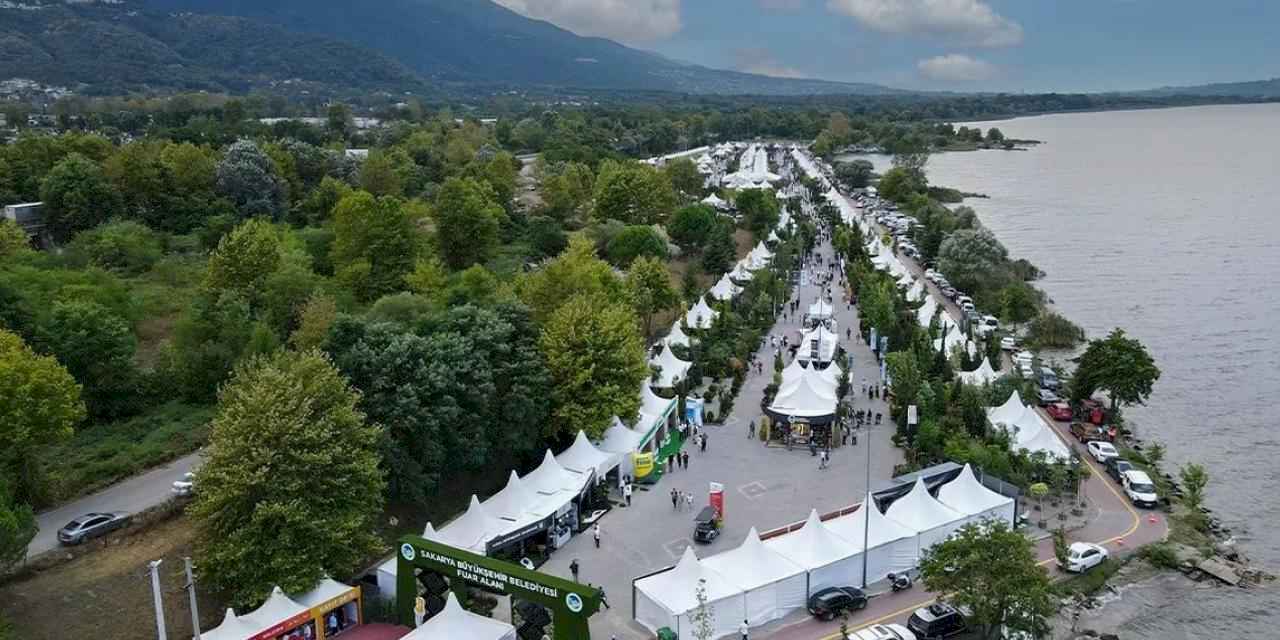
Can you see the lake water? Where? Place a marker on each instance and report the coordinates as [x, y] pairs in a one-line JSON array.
[[1166, 223]]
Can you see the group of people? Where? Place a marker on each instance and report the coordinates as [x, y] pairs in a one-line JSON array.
[[681, 499]]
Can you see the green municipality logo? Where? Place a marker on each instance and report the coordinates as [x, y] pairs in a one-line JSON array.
[[408, 551], [574, 602]]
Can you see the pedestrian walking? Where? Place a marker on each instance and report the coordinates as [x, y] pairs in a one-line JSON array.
[[751, 430], [744, 629], [573, 568], [685, 457], [703, 443], [595, 533], [688, 501], [626, 493], [675, 500]]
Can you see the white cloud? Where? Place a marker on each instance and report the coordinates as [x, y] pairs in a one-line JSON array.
[[761, 61], [623, 20], [956, 67], [969, 21]]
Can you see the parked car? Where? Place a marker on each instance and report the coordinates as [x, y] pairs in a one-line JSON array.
[[1083, 556], [1049, 379], [936, 621], [1088, 432], [834, 601], [1060, 411], [1046, 397], [1139, 487], [948, 291], [962, 300], [882, 632], [930, 275], [987, 325], [1023, 357], [91, 525], [1091, 411], [1007, 343], [185, 487], [1102, 451], [1116, 467], [706, 525], [1026, 370]]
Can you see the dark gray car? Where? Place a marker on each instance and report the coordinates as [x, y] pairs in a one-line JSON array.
[[91, 525]]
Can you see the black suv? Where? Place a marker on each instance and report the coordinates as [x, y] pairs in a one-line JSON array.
[[936, 621], [1116, 468], [832, 601]]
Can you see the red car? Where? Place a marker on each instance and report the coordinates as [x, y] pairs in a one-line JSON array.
[[1059, 411]]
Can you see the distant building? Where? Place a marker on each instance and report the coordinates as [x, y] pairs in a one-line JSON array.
[[30, 217]]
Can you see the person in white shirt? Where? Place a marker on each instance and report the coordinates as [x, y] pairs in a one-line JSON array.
[[743, 630]]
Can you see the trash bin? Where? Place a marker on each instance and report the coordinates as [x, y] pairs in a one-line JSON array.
[[666, 633]]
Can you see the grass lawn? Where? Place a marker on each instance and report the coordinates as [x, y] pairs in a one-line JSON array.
[[101, 455]]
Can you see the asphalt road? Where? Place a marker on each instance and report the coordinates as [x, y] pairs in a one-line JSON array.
[[131, 496]]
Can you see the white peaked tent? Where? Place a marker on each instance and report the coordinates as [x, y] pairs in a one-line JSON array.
[[669, 598], [473, 529], [232, 628], [808, 397], [916, 292], [1009, 412], [1043, 439], [773, 235], [821, 310], [724, 289], [1027, 429], [582, 457], [954, 341], [891, 547], [924, 315], [387, 570], [830, 560], [701, 316], [673, 369], [773, 585], [759, 257], [791, 373], [923, 513], [677, 336], [825, 348], [976, 502], [832, 374], [455, 622], [551, 479], [653, 404], [820, 380], [278, 608], [715, 201], [516, 503], [741, 273], [621, 442], [984, 374]]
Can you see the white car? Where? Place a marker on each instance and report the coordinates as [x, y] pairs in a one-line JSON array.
[[963, 300], [1140, 489], [882, 632], [1083, 556], [967, 306], [1102, 451], [1023, 357], [1007, 343], [186, 486], [986, 325]]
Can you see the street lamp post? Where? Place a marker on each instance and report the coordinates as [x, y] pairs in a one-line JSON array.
[[866, 504]]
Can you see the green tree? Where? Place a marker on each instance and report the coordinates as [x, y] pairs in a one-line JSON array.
[[721, 250], [467, 222], [596, 358], [649, 284], [759, 210], [855, 174], [429, 279], [13, 240], [971, 258], [123, 246], [691, 226], [899, 184], [1018, 303], [994, 135], [17, 528], [991, 571], [314, 321], [634, 193], [339, 120], [1060, 546], [375, 244], [633, 242], [382, 172], [97, 347], [1117, 364], [568, 192], [684, 177], [906, 376], [77, 196], [576, 271], [1194, 480], [248, 178], [291, 464], [546, 236], [39, 406], [244, 259], [209, 339]]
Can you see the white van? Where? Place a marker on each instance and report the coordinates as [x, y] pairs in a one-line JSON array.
[[1140, 489]]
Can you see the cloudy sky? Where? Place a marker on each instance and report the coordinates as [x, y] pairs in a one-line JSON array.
[[990, 45]]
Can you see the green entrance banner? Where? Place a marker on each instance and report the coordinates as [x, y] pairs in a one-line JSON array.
[[570, 603]]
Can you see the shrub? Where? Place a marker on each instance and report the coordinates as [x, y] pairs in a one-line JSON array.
[[1160, 555]]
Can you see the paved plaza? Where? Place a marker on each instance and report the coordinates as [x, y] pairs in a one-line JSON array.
[[765, 487]]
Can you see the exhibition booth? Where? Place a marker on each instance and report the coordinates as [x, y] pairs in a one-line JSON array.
[[455, 622], [324, 612], [1027, 429]]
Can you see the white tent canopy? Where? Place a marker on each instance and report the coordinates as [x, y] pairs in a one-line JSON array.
[[916, 292], [921, 512], [677, 336], [791, 373], [724, 289], [669, 598], [969, 497], [891, 546], [832, 374], [809, 397], [673, 369], [621, 442], [277, 608], [924, 315], [984, 374], [551, 479], [455, 622], [232, 628], [741, 273], [715, 201], [654, 404], [701, 316], [473, 529], [821, 310], [1027, 428], [1008, 412], [818, 344], [326, 590], [582, 457], [773, 585], [830, 560]]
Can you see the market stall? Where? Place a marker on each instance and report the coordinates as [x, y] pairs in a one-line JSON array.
[[724, 289], [668, 599], [829, 560], [968, 496], [890, 546], [984, 374], [701, 315], [921, 512], [455, 622], [772, 585], [671, 370], [335, 607], [677, 336]]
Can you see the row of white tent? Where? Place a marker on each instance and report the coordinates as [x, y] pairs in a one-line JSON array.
[[753, 170], [1028, 430], [277, 609], [807, 392], [762, 581]]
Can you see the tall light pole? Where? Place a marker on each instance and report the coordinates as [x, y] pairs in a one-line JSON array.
[[191, 591], [866, 504], [156, 597]]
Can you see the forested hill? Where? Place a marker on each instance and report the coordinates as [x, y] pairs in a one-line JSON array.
[[114, 49], [1255, 89]]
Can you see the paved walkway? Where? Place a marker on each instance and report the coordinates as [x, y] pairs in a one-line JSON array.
[[765, 487]]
